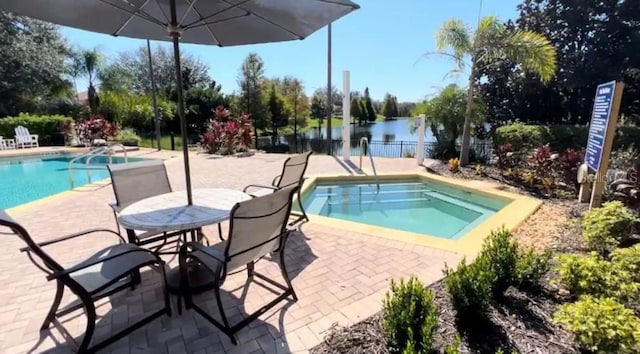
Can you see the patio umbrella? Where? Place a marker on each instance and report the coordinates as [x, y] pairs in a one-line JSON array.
[[214, 22]]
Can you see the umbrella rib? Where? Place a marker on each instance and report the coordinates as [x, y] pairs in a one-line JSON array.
[[215, 13], [268, 21], [215, 39], [162, 10], [191, 6], [204, 23], [137, 13]]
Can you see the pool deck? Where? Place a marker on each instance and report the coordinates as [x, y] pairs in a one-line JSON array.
[[340, 275]]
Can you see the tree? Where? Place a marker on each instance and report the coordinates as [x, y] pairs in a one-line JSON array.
[[136, 63], [294, 97], [596, 42], [356, 113], [114, 77], [32, 64], [371, 113], [276, 110], [446, 115], [251, 81], [389, 106], [492, 44], [319, 106], [404, 108]]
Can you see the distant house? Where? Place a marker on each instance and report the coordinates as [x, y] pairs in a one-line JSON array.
[[82, 98]]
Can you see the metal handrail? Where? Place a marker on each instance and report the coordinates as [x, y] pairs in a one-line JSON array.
[[365, 141], [90, 155]]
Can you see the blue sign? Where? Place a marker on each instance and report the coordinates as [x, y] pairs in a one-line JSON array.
[[599, 122]]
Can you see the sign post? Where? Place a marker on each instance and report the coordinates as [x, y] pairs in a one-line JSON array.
[[606, 107]]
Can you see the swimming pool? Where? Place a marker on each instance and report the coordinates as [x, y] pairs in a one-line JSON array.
[[413, 205], [28, 178]]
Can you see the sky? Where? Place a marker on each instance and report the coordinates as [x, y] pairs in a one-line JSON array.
[[382, 45]]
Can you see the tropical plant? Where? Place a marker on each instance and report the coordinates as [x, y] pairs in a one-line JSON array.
[[94, 127], [90, 64], [490, 45], [226, 134], [607, 226]]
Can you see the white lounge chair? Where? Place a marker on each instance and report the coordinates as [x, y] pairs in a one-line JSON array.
[[6, 144], [24, 138]]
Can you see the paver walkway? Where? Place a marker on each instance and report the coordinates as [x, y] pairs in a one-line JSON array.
[[339, 276]]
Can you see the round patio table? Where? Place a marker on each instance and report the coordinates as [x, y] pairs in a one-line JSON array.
[[170, 212]]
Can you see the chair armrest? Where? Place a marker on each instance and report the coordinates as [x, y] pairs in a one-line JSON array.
[[276, 180], [215, 254], [102, 260], [68, 237], [259, 186], [34, 136], [115, 207]]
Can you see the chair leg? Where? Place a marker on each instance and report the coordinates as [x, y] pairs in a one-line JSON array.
[[227, 329], [165, 290], [220, 232], [54, 307], [90, 310], [285, 275], [304, 213], [250, 269]]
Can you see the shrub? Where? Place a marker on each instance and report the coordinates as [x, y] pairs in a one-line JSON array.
[[227, 135], [454, 165], [504, 153], [629, 260], [45, 126], [541, 160], [592, 275], [501, 253], [127, 135], [601, 325], [410, 316], [605, 227], [469, 287], [531, 267], [522, 136], [94, 127]]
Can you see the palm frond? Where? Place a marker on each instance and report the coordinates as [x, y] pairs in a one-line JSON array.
[[454, 35], [533, 51]]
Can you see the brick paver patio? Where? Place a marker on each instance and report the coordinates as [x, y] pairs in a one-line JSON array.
[[339, 276]]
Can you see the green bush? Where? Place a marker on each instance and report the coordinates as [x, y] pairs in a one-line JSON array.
[[45, 126], [502, 256], [134, 110], [629, 260], [592, 275], [409, 316], [531, 267], [605, 227], [522, 136], [601, 325], [469, 286], [559, 137]]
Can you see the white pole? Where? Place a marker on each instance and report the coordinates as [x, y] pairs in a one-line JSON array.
[[420, 146], [346, 117]]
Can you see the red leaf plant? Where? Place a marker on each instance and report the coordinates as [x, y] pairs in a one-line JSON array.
[[225, 134]]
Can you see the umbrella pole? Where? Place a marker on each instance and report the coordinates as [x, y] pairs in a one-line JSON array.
[[174, 31]]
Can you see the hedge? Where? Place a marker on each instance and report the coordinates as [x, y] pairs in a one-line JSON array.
[[559, 137], [48, 128]]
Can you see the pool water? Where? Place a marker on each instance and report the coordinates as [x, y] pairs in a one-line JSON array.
[[417, 206], [28, 178]]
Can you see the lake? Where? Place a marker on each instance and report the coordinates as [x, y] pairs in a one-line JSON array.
[[386, 131]]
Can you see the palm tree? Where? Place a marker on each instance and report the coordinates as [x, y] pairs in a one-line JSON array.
[[90, 64], [491, 44]]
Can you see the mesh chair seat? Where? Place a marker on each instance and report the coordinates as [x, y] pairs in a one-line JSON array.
[[95, 277]]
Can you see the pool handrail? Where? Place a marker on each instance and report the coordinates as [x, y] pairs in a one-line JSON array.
[[91, 154], [364, 141]]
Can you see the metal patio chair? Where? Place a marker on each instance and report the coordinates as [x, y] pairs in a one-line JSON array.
[[136, 181], [292, 174], [257, 227], [104, 273]]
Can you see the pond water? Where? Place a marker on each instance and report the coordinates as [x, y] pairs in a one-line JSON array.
[[386, 131]]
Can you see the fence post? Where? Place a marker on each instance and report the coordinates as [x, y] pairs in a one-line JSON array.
[[173, 141], [401, 153]]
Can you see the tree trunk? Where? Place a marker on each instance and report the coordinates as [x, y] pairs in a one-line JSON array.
[[466, 133]]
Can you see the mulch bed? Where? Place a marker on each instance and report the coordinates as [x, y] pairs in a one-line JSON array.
[[519, 323]]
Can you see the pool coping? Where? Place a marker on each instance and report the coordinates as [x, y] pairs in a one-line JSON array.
[[510, 217]]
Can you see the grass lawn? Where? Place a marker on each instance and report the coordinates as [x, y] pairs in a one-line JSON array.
[[165, 142]]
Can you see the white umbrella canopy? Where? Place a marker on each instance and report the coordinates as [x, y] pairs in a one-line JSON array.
[[213, 22]]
